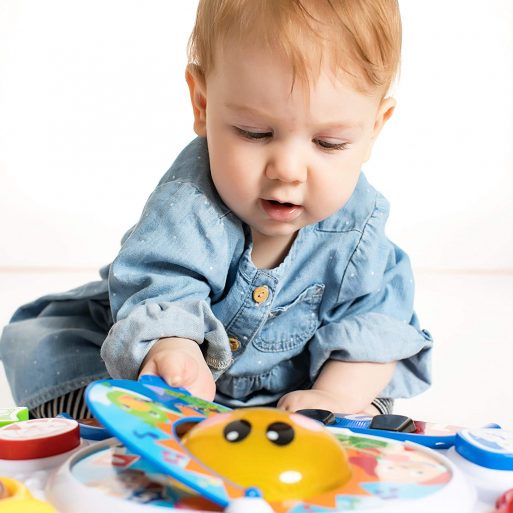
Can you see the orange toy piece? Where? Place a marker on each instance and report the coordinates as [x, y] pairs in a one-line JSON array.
[[272, 450]]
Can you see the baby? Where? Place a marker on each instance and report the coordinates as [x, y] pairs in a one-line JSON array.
[[259, 272]]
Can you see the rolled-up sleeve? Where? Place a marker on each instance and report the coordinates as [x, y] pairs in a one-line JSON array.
[[374, 320], [171, 266]]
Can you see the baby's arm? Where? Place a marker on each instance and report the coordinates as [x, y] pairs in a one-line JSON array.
[[170, 268], [180, 362], [342, 387]]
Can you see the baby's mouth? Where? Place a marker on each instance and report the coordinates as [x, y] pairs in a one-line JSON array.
[[285, 204], [284, 212]]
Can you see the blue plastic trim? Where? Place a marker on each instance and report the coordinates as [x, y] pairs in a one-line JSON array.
[[479, 455]]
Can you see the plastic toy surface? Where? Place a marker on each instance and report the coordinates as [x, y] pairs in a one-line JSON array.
[[272, 450], [10, 415], [15, 498], [504, 503], [175, 452], [486, 456], [152, 420], [38, 438], [435, 436]]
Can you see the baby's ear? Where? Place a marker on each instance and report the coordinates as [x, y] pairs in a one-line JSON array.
[[198, 91], [384, 113]]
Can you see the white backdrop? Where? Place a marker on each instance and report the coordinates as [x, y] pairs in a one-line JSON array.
[[94, 108]]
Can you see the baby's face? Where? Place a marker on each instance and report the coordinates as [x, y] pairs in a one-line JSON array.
[[283, 160]]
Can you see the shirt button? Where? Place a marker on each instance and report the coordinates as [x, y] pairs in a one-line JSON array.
[[260, 294], [234, 344]]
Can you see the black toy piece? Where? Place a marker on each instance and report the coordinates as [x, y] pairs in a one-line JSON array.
[[326, 417], [392, 422]]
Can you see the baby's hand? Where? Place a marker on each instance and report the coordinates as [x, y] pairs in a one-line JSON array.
[[180, 362], [308, 399], [318, 399]]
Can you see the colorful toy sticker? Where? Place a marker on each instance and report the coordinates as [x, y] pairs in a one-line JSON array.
[[117, 472], [150, 419]]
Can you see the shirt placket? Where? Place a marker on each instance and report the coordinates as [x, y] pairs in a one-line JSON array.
[[257, 296]]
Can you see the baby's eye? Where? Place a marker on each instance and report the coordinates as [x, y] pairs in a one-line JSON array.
[[331, 146], [253, 135]]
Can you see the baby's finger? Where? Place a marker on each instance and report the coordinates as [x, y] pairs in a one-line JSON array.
[[178, 370], [149, 367], [283, 403]]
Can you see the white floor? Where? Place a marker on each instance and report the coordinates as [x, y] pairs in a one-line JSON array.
[[469, 314]]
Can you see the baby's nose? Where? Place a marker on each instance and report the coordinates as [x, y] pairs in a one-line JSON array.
[[287, 167]]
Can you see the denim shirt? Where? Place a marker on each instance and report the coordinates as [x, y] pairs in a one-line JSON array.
[[344, 292]]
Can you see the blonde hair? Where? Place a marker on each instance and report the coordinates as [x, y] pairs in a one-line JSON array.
[[361, 38]]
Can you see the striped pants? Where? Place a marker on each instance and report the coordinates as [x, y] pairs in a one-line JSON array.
[[74, 404]]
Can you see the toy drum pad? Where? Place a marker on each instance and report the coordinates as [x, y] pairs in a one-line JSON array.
[[38, 438]]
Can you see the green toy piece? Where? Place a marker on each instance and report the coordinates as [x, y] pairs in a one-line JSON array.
[[10, 415]]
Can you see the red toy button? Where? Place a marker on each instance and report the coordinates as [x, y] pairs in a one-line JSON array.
[[504, 503], [38, 438]]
